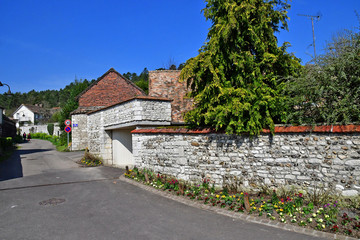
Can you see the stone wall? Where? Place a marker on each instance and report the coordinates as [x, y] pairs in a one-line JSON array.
[[95, 128], [39, 129], [290, 157], [166, 84], [79, 134]]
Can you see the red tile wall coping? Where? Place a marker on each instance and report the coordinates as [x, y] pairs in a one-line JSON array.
[[130, 99], [278, 129]]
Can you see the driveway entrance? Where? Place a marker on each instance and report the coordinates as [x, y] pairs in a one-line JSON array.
[[122, 148]]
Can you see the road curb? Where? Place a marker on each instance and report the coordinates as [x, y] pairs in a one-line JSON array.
[[236, 215]]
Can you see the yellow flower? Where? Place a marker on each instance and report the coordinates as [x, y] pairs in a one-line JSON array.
[[223, 196], [217, 196], [275, 206], [234, 196], [260, 209], [254, 208], [281, 210], [242, 193]]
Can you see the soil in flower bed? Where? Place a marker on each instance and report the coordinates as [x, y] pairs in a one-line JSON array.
[[317, 210], [89, 160]]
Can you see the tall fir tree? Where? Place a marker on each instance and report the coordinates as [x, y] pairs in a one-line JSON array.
[[236, 79]]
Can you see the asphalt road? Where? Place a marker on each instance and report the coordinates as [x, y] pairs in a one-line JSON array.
[[57, 199]]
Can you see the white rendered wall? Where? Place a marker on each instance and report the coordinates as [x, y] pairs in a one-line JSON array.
[[24, 114], [122, 149]]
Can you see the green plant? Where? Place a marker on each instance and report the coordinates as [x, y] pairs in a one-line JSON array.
[[50, 128], [293, 209], [237, 78], [329, 90], [319, 195], [90, 160]]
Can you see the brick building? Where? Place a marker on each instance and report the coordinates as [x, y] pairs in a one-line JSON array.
[[166, 84], [113, 106], [107, 90]]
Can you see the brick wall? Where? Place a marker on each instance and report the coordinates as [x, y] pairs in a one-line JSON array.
[[109, 89], [166, 84]]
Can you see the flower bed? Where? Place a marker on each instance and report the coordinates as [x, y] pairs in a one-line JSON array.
[[317, 210], [89, 160]]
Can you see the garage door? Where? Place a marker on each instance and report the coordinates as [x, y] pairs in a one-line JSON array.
[[122, 148]]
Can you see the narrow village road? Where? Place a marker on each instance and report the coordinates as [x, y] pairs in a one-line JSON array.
[[57, 199]]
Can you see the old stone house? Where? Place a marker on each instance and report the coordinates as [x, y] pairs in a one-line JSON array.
[[31, 114], [113, 106]]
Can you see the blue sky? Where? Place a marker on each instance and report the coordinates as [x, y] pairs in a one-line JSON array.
[[44, 44]]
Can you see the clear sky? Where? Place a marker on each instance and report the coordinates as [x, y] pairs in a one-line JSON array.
[[45, 44]]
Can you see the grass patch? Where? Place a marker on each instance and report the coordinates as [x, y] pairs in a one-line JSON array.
[[62, 148], [55, 140]]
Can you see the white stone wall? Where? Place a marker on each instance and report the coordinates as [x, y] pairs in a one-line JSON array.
[[137, 110], [79, 132], [328, 159], [95, 130], [39, 129]]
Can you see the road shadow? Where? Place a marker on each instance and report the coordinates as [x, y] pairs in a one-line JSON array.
[[11, 167], [29, 151]]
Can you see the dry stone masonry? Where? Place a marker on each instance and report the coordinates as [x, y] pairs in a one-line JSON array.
[[305, 159], [93, 129]]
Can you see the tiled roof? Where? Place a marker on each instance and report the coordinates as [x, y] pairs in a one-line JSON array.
[[99, 79], [36, 109]]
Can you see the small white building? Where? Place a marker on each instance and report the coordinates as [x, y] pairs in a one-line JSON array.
[[30, 114]]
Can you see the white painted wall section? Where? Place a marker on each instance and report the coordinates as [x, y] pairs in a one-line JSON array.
[[122, 149]]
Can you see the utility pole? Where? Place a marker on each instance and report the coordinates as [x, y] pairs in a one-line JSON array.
[[317, 17]]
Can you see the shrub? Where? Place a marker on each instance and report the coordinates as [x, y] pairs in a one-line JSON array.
[[50, 128]]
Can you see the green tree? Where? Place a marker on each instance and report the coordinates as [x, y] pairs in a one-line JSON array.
[[71, 104], [142, 81], [50, 128], [329, 91], [236, 79]]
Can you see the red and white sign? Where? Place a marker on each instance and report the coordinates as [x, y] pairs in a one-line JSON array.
[[67, 129], [67, 122]]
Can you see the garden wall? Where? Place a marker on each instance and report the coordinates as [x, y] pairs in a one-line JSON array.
[[39, 129], [306, 156]]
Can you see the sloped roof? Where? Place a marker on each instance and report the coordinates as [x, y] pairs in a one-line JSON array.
[[34, 109], [37, 109], [100, 78]]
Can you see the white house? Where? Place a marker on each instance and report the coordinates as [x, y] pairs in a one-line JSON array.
[[30, 114]]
